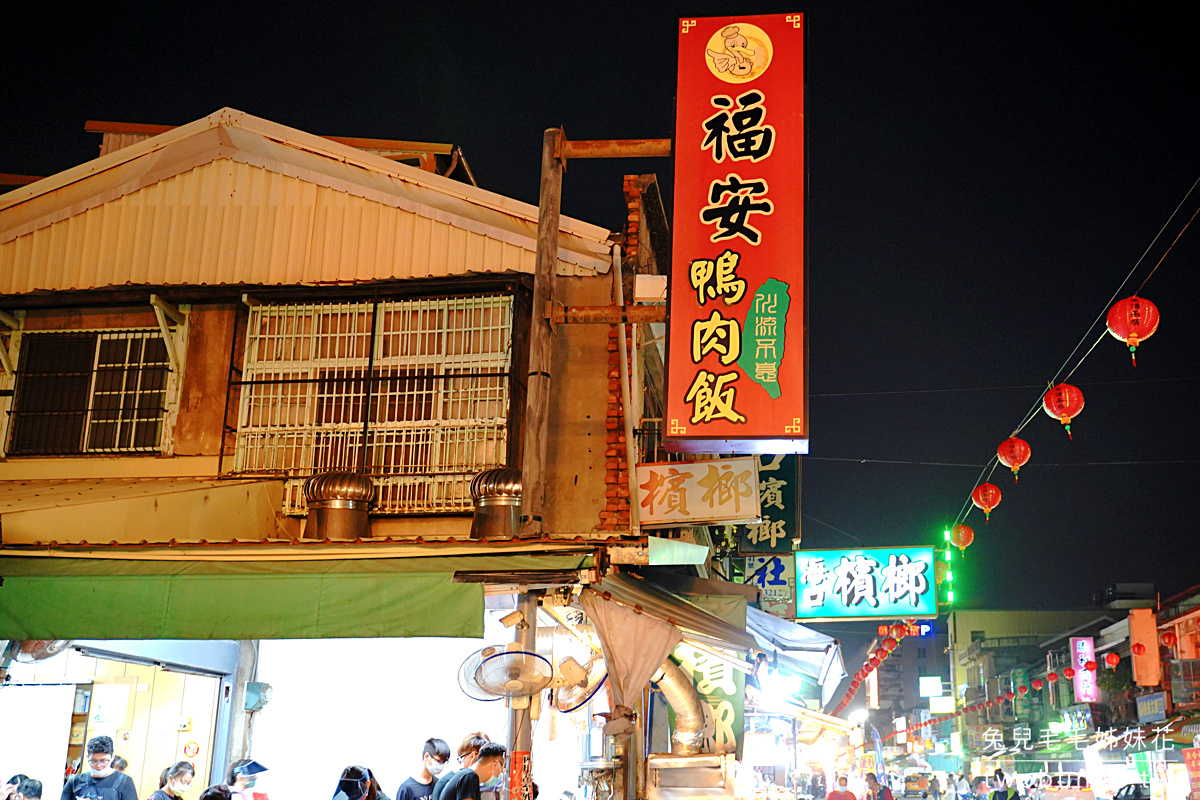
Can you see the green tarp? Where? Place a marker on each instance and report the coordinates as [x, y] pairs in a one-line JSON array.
[[72, 598]]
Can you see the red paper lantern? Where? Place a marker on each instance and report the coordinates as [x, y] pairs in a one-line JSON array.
[[1014, 453], [881, 654], [999, 699], [1022, 690], [1063, 402], [1009, 695], [1090, 666], [1138, 649], [1037, 684], [899, 631], [889, 644], [1069, 673], [873, 661], [990, 703], [1052, 677], [854, 684], [1133, 320], [1112, 659], [961, 537], [986, 496], [1169, 638]]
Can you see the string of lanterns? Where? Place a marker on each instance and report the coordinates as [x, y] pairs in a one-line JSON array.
[[1132, 321], [1111, 660]]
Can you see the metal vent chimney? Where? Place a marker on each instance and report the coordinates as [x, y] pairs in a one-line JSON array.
[[496, 494], [337, 506]]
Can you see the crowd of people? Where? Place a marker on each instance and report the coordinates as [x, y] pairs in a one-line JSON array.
[[480, 764], [957, 787]]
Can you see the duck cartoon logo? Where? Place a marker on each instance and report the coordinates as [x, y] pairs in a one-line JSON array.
[[738, 53]]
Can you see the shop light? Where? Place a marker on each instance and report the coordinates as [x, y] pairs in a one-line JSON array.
[[950, 575], [946, 555], [946, 535], [950, 596]]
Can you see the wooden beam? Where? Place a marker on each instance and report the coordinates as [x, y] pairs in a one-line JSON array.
[[607, 315], [619, 148], [12, 179], [541, 338]]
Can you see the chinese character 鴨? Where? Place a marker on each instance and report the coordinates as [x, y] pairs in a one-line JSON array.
[[712, 397], [717, 278], [740, 133], [730, 204]]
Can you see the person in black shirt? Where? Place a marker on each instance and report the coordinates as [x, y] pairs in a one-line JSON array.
[[434, 756], [484, 774], [101, 781], [176, 779], [468, 752]]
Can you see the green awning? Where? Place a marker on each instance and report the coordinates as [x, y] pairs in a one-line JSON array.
[[93, 598]]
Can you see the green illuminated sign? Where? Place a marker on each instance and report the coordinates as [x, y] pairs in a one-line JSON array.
[[865, 583]]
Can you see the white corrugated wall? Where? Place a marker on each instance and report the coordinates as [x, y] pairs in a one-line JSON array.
[[227, 222]]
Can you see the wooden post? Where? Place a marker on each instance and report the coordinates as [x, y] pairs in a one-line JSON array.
[[541, 336]]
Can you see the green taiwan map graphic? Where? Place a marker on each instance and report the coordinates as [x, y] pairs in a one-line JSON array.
[[764, 334]]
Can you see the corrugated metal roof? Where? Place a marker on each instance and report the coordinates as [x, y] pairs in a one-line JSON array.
[[233, 199]]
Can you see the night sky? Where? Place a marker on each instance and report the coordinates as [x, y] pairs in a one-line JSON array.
[[983, 176]]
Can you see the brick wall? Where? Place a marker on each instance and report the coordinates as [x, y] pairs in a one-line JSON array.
[[615, 515]]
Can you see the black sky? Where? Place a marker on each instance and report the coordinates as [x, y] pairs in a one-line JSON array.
[[983, 175]]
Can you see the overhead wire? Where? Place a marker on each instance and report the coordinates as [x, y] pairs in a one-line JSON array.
[[1031, 414]]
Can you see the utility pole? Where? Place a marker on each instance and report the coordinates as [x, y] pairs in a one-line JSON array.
[[541, 337], [520, 720]]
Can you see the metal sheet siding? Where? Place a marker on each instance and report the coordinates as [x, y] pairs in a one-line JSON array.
[[228, 222]]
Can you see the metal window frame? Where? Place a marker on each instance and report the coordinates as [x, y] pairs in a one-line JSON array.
[[171, 390], [315, 346]]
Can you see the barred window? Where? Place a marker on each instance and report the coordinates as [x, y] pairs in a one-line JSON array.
[[427, 384], [90, 392]]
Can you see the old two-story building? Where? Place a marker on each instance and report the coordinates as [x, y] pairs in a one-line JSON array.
[[203, 318]]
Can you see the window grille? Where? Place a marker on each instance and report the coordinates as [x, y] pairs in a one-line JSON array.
[[427, 384], [91, 392]]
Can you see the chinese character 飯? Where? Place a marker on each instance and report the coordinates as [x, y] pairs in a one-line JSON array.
[[731, 202], [740, 133], [719, 278], [712, 397]]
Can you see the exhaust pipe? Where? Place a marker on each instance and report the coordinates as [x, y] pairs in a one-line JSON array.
[[677, 688]]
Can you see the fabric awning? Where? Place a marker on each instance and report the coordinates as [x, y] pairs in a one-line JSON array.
[[800, 649], [694, 622], [68, 598]]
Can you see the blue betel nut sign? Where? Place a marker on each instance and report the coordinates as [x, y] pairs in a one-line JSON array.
[[865, 583]]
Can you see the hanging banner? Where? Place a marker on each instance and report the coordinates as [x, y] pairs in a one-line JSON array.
[[737, 341], [775, 576], [1083, 650], [866, 583], [779, 503], [675, 493]]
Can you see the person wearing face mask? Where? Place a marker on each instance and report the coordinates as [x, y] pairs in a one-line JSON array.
[[843, 791], [243, 777], [434, 756], [358, 783], [177, 779], [100, 781], [483, 774], [468, 751]]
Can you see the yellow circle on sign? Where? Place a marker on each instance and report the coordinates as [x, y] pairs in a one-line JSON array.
[[739, 53]]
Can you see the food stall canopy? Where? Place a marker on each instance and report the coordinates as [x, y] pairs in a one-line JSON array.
[[60, 598], [694, 623], [800, 649]]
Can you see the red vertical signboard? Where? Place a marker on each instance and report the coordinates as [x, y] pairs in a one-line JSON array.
[[737, 368]]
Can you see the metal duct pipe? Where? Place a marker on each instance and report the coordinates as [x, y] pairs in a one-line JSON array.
[[338, 503], [688, 738]]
